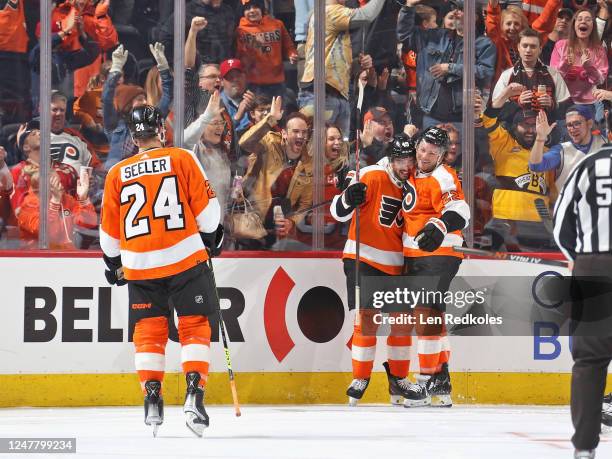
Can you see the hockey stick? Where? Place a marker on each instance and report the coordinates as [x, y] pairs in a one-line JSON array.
[[544, 214], [308, 209], [505, 256], [228, 359], [357, 234]]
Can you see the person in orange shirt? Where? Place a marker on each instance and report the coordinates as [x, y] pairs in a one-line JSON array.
[[69, 207], [97, 24], [378, 194], [159, 215], [503, 28], [14, 68], [435, 212], [262, 43]]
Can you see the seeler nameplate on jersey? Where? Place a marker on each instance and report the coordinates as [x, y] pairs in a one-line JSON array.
[[487, 306], [151, 166]]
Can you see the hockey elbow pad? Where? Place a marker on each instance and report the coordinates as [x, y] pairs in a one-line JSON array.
[[114, 273]]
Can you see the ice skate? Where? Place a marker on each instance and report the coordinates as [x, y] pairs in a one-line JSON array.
[[606, 414], [398, 387], [417, 394], [584, 454], [439, 387], [195, 414], [153, 405], [356, 390]]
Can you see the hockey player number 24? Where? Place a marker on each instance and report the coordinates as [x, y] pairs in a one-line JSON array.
[[166, 206]]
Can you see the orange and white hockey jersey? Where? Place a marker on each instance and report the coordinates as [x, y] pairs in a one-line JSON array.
[[154, 206], [429, 196], [380, 221]]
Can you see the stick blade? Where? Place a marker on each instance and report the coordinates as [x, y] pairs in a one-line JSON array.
[[544, 213]]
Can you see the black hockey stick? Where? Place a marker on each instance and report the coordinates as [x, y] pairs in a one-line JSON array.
[[308, 209], [357, 233], [510, 257], [228, 359], [544, 214]]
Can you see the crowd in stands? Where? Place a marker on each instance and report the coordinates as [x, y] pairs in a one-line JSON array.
[[542, 102]]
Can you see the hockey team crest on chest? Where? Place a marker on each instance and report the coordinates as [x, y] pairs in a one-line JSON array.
[[410, 197], [390, 211]]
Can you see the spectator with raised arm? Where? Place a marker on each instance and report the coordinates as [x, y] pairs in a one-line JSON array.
[[98, 25], [213, 42], [205, 137], [516, 224], [282, 169], [581, 59], [562, 158], [118, 100], [338, 58], [69, 206], [503, 28]]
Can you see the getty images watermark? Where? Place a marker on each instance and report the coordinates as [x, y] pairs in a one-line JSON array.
[[402, 299], [483, 305]]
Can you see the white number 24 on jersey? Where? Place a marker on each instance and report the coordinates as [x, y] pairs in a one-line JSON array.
[[166, 206]]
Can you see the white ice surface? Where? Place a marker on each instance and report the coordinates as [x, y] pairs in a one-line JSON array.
[[309, 432]]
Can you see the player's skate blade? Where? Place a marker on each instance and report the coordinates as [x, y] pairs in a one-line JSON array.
[[441, 401], [196, 417], [440, 388], [153, 405], [356, 390], [398, 387], [417, 394]]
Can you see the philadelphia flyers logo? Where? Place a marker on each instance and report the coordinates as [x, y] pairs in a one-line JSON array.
[[410, 197], [13, 4], [389, 211], [59, 151]]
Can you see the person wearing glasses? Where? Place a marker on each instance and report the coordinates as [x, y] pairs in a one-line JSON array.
[[562, 157]]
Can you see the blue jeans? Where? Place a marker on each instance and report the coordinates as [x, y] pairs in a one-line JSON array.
[[302, 13], [337, 109]]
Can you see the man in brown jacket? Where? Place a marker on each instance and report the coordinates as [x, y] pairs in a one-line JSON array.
[[280, 165]]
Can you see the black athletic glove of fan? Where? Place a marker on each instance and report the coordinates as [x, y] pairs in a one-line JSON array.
[[355, 194], [214, 241], [431, 235], [114, 273]]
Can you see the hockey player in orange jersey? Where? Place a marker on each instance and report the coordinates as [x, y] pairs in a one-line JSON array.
[[435, 212], [159, 216], [378, 193]]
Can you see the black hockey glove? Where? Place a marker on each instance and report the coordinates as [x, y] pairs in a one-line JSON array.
[[114, 273], [355, 195], [431, 235], [214, 241]]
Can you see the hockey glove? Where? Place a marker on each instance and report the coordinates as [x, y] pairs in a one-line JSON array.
[[431, 235], [355, 195], [114, 273], [214, 241]]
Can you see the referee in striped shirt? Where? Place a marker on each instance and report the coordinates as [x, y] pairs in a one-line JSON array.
[[582, 231]]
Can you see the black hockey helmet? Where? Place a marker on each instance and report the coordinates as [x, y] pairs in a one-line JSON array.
[[436, 136], [402, 146], [145, 122]]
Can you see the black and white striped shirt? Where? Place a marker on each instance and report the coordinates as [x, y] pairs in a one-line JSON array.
[[582, 212]]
